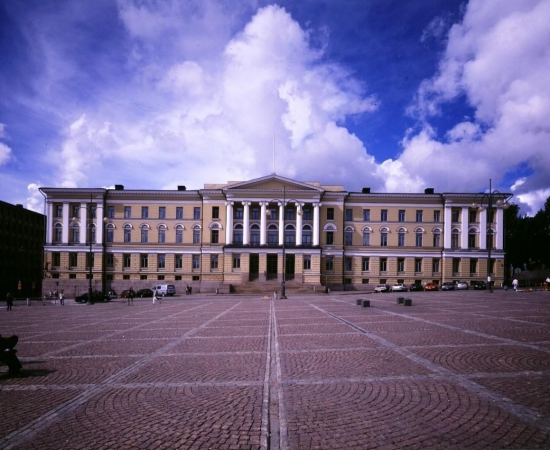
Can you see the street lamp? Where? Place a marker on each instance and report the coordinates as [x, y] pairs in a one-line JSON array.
[[501, 201], [299, 212], [90, 211]]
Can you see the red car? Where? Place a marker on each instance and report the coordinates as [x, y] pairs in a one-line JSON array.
[[431, 287]]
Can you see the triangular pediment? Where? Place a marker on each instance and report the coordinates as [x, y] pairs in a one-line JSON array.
[[273, 183]]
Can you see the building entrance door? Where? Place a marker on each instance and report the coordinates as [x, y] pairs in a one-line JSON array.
[[254, 270], [289, 267], [271, 267]]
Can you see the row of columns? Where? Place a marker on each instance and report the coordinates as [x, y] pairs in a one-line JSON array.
[[263, 222], [66, 224], [498, 235]]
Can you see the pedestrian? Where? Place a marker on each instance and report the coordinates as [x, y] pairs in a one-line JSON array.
[[190, 290], [515, 284], [62, 298], [131, 294], [154, 296], [9, 301], [187, 290]]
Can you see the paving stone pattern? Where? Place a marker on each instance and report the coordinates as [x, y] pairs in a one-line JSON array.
[[456, 370]]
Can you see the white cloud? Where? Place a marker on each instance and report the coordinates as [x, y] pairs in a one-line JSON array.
[[498, 59]]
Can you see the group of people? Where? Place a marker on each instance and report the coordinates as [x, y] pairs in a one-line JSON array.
[[188, 290]]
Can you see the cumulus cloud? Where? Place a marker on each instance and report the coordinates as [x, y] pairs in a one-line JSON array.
[[497, 59]]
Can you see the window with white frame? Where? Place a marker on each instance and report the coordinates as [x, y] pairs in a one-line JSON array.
[[127, 233], [238, 234], [179, 234], [366, 237], [307, 262], [144, 234], [365, 264], [162, 234]]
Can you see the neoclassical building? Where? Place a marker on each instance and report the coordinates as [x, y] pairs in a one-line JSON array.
[[233, 236]]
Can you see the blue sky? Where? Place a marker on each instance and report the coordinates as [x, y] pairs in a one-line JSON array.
[[392, 95]]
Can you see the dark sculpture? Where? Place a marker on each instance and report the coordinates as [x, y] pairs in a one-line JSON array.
[[8, 354]]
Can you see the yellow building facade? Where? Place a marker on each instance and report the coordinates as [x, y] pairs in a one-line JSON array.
[[233, 237]]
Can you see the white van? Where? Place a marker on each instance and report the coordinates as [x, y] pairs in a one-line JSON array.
[[164, 289]]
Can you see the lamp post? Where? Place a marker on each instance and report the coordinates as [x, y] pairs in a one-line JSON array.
[[299, 212], [489, 198], [90, 211]]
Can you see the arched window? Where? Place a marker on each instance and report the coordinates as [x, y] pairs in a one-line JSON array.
[[401, 236], [454, 238], [58, 233], [306, 235], [179, 234], [329, 229], [272, 235], [110, 233], [196, 234], [348, 236], [255, 235], [290, 235], [366, 236], [437, 237], [161, 234], [419, 233], [384, 236], [74, 231], [144, 233], [238, 234], [472, 237], [127, 233]]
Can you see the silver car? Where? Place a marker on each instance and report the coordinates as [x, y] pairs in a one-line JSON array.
[[462, 285], [399, 287]]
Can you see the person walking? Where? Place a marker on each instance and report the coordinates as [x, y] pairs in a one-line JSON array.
[[9, 301], [62, 298], [154, 296], [131, 294], [515, 284]]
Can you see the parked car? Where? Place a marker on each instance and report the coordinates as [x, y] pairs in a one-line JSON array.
[[382, 288], [399, 287], [431, 287], [480, 285], [447, 286], [124, 293], [164, 289], [97, 296], [112, 294], [416, 287], [144, 293], [461, 285]]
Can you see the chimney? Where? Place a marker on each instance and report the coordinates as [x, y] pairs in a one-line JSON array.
[[429, 191], [366, 191], [181, 188], [119, 187]]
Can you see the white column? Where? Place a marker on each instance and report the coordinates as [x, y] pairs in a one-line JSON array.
[[316, 223], [464, 226], [281, 223], [66, 224], [483, 229], [246, 223], [229, 223], [49, 223], [447, 226], [500, 229], [298, 224], [83, 222], [99, 224], [263, 222]]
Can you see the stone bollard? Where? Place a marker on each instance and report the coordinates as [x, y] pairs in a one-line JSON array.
[[408, 302], [359, 301], [400, 300], [366, 303], [28, 301], [274, 295]]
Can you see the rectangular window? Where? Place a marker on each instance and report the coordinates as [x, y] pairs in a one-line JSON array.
[[179, 235], [471, 240], [366, 215], [196, 236], [179, 212], [454, 240], [289, 213], [75, 234], [236, 261], [330, 238], [348, 264], [144, 260], [110, 260], [329, 263], [111, 212], [330, 213], [400, 239], [215, 236], [418, 265], [272, 214], [401, 264], [144, 212], [215, 212], [213, 261], [178, 261], [161, 261], [59, 211], [162, 235], [473, 265], [196, 261], [437, 239], [435, 265], [472, 216], [58, 233], [419, 214], [366, 238], [56, 259], [127, 260], [144, 235], [384, 215], [455, 213], [73, 259], [162, 212], [75, 210], [349, 237], [255, 214], [307, 262], [90, 260], [401, 215], [419, 239], [127, 234], [349, 215], [307, 214], [383, 264], [127, 212], [365, 264], [437, 216], [383, 239], [456, 265], [197, 212]]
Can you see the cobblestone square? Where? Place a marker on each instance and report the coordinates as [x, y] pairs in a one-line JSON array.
[[456, 370]]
